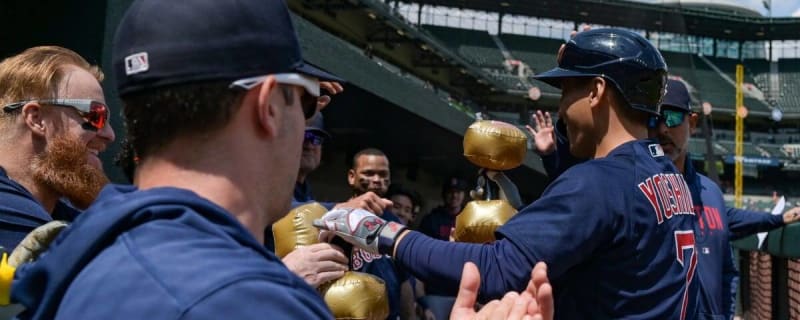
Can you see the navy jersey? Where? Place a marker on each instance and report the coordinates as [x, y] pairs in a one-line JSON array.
[[20, 212], [617, 234], [163, 253]]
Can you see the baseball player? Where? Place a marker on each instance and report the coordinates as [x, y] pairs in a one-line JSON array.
[[717, 224], [617, 231]]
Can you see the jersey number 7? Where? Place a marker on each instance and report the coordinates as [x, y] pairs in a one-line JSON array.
[[684, 240]]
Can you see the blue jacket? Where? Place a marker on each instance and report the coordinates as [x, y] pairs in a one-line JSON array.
[[615, 248], [163, 253], [716, 226], [20, 212]]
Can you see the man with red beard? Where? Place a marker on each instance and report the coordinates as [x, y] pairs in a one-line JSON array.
[[53, 125]]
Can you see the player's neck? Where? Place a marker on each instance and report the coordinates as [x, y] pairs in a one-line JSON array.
[[619, 132], [223, 181]]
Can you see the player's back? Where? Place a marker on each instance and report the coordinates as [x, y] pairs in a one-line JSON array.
[[609, 229], [163, 253]]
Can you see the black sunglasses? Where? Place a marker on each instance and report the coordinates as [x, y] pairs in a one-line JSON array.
[[94, 112]]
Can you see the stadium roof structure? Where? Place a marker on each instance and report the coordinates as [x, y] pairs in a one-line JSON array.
[[690, 20], [370, 24]]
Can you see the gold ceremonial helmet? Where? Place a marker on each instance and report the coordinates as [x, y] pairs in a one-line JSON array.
[[495, 145], [357, 295]]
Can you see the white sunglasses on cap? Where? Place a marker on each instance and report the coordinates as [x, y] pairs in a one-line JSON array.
[[311, 86]]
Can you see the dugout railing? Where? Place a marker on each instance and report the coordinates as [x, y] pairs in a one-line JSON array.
[[769, 284]]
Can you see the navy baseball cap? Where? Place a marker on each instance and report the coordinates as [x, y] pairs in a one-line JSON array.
[[161, 43], [317, 124], [677, 96]]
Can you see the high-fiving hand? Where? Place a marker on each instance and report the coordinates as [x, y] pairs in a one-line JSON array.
[[536, 302]]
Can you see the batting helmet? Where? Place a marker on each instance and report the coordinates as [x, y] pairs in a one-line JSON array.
[[622, 57]]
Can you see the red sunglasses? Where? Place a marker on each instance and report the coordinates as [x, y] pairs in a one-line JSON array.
[[94, 112]]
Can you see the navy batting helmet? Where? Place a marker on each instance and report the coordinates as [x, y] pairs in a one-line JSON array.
[[622, 57]]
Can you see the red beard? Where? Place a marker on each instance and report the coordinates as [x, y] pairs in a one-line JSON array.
[[63, 167]]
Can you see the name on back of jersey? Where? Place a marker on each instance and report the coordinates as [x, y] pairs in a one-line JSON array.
[[669, 195]]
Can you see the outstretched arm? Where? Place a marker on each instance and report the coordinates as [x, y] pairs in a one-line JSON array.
[[742, 223]]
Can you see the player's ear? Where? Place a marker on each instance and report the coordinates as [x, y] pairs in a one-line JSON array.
[[598, 91], [692, 117], [265, 109], [351, 177]]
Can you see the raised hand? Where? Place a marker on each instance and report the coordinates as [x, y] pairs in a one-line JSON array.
[[368, 201], [543, 132], [333, 88]]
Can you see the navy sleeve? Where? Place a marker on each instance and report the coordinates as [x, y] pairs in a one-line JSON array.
[[743, 223], [556, 229], [562, 231], [258, 299], [730, 282], [439, 263]]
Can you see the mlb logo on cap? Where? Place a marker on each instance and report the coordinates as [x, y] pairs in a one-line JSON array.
[[136, 63]]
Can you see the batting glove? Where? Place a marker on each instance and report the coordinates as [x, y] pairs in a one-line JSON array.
[[362, 229]]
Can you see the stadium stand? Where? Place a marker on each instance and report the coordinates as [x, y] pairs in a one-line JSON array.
[[774, 150], [789, 80], [537, 52], [475, 46], [750, 150]]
